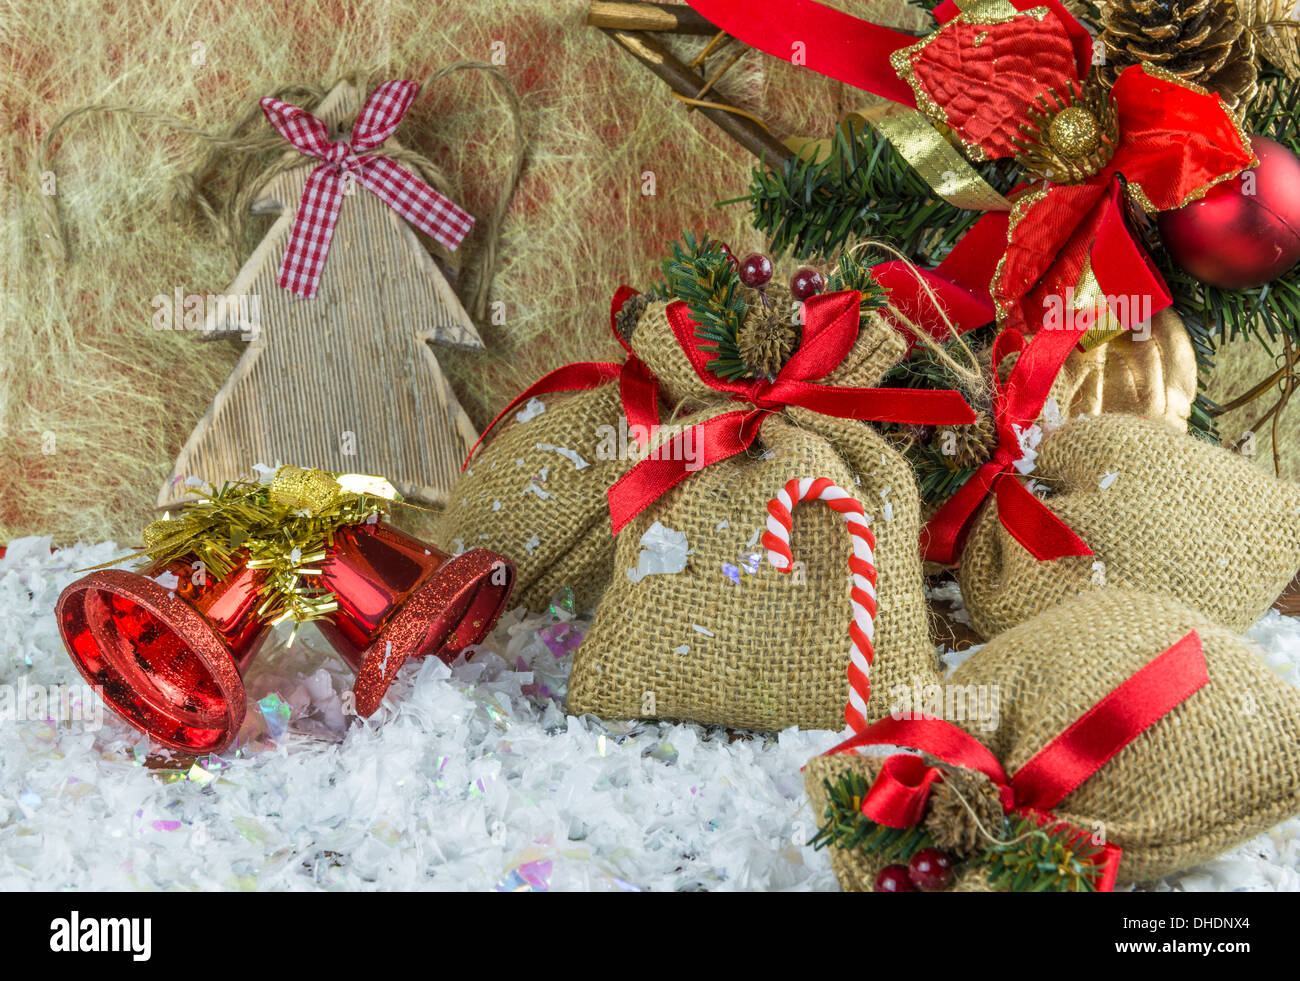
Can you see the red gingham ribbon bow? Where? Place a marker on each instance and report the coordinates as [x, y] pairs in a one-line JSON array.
[[397, 187]]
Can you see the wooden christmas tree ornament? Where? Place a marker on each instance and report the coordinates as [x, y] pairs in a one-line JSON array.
[[344, 380]]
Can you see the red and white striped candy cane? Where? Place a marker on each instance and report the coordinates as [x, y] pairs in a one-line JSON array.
[[862, 564]]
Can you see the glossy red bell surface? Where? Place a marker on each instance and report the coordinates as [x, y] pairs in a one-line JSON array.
[[170, 660], [399, 598], [167, 660]]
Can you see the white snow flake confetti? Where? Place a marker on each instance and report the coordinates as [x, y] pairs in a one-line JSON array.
[[530, 546], [702, 630], [531, 410], [1107, 479], [571, 455], [472, 777], [663, 552], [531, 488]]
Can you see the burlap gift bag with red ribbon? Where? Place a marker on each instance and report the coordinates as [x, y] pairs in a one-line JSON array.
[[721, 637], [1149, 738], [1109, 501], [535, 491]]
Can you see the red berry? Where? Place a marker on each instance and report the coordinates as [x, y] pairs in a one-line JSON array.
[[805, 283], [894, 878], [756, 270], [930, 870]]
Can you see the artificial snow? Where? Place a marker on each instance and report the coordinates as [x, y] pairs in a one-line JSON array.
[[470, 777]]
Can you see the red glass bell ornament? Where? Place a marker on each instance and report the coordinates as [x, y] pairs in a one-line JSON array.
[[170, 661]]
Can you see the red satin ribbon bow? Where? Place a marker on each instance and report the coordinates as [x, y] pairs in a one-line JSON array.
[[322, 197], [899, 795], [830, 329], [1016, 404], [981, 79]]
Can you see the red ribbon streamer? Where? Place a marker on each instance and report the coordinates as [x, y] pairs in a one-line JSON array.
[[826, 40], [830, 329], [899, 795], [322, 196], [1017, 402]]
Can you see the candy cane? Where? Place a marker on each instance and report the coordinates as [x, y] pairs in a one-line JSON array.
[[862, 564]]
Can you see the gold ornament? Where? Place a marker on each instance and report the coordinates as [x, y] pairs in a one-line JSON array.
[[1074, 132], [1069, 136], [296, 489], [1154, 378]]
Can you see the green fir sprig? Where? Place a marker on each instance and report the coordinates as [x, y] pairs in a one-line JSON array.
[[853, 272], [700, 274], [1030, 857], [1051, 858]]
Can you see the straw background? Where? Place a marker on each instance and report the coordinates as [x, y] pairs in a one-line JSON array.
[[94, 403]]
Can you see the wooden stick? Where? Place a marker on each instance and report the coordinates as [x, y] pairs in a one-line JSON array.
[[714, 41], [749, 134], [713, 79], [624, 16]]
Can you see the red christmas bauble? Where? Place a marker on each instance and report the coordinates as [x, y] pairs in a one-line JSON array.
[[1246, 231]]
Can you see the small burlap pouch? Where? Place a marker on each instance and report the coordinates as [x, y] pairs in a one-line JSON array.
[[546, 509], [1162, 512], [730, 640], [1220, 766]]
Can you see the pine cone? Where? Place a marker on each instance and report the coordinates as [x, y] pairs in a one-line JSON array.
[[972, 445], [1201, 41], [768, 335], [950, 822]]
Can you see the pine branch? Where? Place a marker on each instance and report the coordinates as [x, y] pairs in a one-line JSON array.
[[862, 189], [700, 274], [939, 475], [853, 272]]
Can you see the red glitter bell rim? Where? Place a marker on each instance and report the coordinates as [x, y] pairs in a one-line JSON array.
[[454, 608], [170, 669]]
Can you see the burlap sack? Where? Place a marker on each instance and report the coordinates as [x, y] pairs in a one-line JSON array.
[[522, 498], [1163, 512], [1217, 770], [769, 650]]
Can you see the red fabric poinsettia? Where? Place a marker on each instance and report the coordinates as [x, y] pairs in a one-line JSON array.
[[982, 79]]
